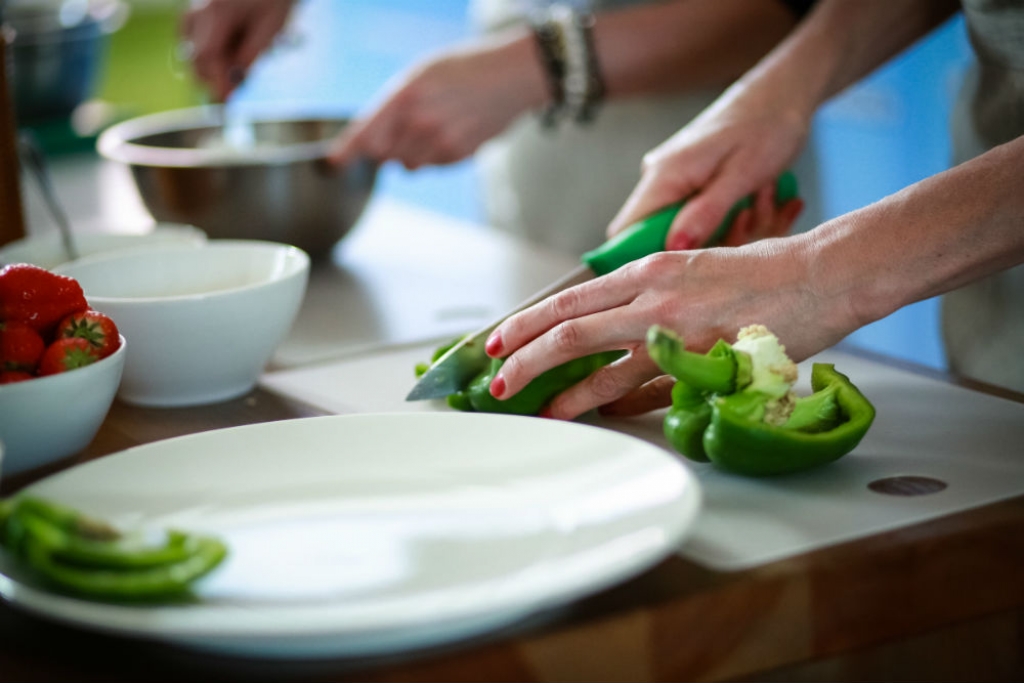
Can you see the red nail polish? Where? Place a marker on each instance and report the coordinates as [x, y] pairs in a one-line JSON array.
[[497, 386], [545, 412], [493, 345], [681, 242]]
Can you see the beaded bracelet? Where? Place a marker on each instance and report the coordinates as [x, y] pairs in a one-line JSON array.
[[550, 40], [583, 85], [596, 88]]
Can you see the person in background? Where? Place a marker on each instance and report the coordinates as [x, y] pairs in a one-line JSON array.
[[555, 169], [959, 232]]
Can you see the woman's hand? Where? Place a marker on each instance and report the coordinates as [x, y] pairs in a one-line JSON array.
[[737, 146], [703, 295], [228, 35], [444, 109]]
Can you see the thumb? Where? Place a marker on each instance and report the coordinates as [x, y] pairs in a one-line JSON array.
[[650, 195], [346, 144]]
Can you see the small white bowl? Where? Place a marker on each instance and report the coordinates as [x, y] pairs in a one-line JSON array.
[[47, 251], [202, 321], [48, 418]]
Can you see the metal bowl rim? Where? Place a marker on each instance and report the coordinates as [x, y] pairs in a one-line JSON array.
[[116, 142]]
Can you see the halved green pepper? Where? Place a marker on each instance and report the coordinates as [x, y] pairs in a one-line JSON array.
[[721, 413]]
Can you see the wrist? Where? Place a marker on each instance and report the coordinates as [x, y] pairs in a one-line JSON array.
[[852, 270], [834, 279], [526, 75]]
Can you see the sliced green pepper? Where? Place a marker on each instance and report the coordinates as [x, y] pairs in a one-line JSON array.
[[716, 415], [92, 559]]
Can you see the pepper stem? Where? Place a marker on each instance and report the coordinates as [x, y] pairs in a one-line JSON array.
[[715, 373], [818, 412]]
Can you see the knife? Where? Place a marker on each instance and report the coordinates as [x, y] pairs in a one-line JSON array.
[[453, 370]]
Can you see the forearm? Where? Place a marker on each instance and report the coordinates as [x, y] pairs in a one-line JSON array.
[[839, 42], [933, 237], [686, 44]]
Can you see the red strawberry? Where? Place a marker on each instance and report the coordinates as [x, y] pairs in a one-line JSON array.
[[21, 347], [37, 297], [93, 326], [12, 376], [67, 354]]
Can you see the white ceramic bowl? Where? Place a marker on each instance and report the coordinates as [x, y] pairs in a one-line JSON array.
[[47, 251], [201, 321], [48, 418]]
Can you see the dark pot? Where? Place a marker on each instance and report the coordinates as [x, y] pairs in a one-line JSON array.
[[55, 63]]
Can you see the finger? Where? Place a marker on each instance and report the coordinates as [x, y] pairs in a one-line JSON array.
[[211, 54], [788, 214], [649, 396], [187, 24], [255, 40], [653, 192], [600, 294], [417, 145], [368, 137], [739, 233], [700, 217], [604, 386], [765, 211], [607, 330]]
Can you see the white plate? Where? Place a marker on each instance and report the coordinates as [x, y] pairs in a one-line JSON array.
[[359, 534]]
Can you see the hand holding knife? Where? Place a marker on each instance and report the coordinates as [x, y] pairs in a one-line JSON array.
[[467, 358]]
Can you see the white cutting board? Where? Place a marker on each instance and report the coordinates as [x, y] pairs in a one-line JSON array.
[[924, 427]]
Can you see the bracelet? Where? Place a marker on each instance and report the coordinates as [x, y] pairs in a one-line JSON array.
[[549, 38], [583, 85], [596, 88]]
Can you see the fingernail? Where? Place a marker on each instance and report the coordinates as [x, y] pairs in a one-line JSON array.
[[546, 413], [493, 345], [497, 386], [681, 241]]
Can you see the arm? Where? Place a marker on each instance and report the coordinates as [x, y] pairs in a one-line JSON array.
[[810, 289], [758, 126], [673, 46], [446, 107]]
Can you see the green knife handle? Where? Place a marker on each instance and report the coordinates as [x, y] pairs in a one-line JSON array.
[[648, 235]]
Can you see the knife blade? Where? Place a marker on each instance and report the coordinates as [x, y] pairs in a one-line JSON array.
[[466, 359]]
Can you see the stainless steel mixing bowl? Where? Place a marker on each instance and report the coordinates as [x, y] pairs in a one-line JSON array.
[[254, 178]]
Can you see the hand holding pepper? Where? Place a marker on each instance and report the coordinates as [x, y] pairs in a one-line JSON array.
[[476, 395]]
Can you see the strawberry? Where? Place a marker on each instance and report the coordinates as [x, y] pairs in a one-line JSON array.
[[67, 354], [37, 297], [21, 347], [12, 376], [93, 326]]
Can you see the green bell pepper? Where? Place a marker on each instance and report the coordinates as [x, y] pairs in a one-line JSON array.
[[736, 409], [476, 395]]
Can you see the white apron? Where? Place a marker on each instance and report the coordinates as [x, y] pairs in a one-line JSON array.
[[983, 323]]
